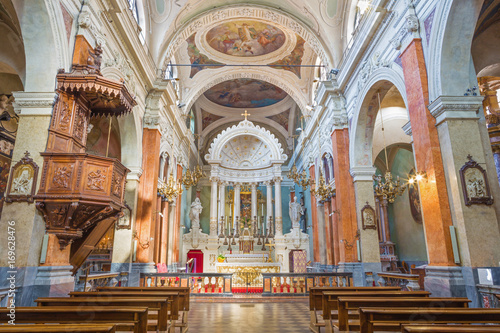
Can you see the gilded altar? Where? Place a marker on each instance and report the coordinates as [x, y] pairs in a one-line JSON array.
[[247, 277]]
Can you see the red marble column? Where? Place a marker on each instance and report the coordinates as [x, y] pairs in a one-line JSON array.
[[314, 222], [328, 232], [177, 221], [146, 201], [345, 199], [433, 191], [164, 233], [335, 232], [157, 232]]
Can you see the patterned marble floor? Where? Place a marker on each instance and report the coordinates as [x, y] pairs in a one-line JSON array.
[[249, 317]]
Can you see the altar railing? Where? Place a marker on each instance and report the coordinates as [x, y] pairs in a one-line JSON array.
[[299, 284], [271, 284], [200, 283], [405, 281]]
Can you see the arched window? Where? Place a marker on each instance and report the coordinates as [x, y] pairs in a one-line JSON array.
[[137, 9]]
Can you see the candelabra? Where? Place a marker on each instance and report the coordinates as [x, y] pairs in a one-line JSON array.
[[188, 179], [169, 190], [388, 188], [323, 192]]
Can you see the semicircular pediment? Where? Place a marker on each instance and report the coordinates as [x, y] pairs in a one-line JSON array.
[[246, 152]]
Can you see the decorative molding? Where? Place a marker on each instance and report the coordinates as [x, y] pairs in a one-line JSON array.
[[407, 129], [446, 108], [362, 173], [33, 103], [89, 26]]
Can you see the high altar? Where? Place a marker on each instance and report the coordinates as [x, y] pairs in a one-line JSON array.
[[251, 243]]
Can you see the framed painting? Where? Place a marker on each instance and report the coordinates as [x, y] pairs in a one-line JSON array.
[[475, 186], [368, 217], [414, 198], [22, 182]]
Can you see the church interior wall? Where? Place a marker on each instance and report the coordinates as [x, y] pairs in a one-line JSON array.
[[205, 213], [407, 233]]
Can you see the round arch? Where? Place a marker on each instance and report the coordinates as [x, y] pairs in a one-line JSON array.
[[365, 115], [450, 48]]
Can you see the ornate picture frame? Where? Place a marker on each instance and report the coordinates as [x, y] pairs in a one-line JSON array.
[[368, 217], [125, 221], [22, 180], [475, 185]]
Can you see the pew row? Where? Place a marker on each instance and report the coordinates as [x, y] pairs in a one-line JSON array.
[[450, 328], [127, 318], [330, 298], [156, 321], [316, 301], [390, 319], [171, 295], [58, 328], [353, 304]]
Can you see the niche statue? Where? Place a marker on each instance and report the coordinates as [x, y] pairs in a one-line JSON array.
[[194, 213], [296, 212]]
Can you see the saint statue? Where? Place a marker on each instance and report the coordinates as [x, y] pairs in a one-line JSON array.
[[194, 213], [296, 211]]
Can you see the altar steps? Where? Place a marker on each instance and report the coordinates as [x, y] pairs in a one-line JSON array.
[[242, 298]]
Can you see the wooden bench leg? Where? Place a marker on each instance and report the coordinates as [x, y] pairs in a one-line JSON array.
[[313, 322], [328, 326]]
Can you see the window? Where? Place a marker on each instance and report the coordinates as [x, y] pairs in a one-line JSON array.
[[132, 5]]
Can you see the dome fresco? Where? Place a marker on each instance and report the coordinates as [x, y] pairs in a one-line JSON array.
[[245, 93], [245, 38]]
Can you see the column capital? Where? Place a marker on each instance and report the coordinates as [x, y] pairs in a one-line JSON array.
[[268, 183], [33, 103], [362, 173], [277, 180], [253, 185], [237, 186], [214, 179], [134, 174], [455, 107]]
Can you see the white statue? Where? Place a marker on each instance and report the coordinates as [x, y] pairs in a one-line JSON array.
[[296, 211], [194, 213]]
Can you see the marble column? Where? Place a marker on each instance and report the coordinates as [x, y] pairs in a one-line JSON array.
[[147, 194], [335, 231], [278, 220], [164, 232], [222, 202], [321, 241], [428, 158], [177, 221], [213, 207], [345, 197], [269, 204], [170, 245], [462, 133], [328, 233], [254, 200], [369, 241], [237, 202], [314, 221], [386, 229]]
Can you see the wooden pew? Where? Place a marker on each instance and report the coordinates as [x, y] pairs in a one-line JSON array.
[[450, 328], [330, 297], [184, 293], [316, 301], [127, 318], [42, 328], [390, 319], [171, 295], [159, 304], [346, 304]]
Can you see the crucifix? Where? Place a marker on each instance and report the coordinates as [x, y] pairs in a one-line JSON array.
[[270, 245], [246, 114]]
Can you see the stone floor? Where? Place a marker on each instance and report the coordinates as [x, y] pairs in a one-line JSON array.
[[249, 317]]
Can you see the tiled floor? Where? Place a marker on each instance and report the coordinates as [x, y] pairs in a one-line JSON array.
[[248, 317]]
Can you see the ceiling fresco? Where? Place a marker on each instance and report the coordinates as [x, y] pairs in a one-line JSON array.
[[282, 118], [294, 58], [245, 38], [197, 58], [245, 93], [208, 118]]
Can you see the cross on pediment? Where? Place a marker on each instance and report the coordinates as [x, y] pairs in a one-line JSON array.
[[246, 114]]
